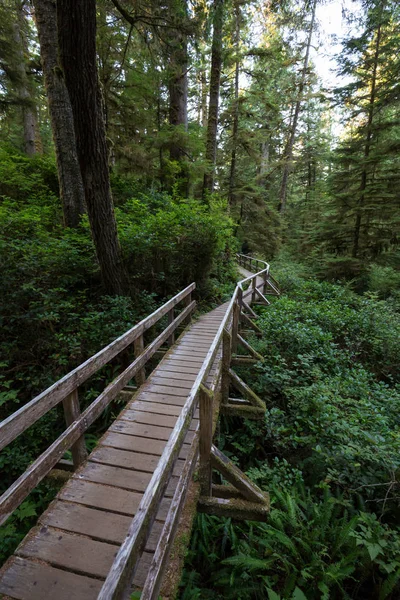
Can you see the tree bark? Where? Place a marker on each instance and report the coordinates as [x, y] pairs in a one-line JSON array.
[[288, 154], [76, 25], [367, 146], [24, 88], [178, 87], [215, 79], [69, 174], [235, 127]]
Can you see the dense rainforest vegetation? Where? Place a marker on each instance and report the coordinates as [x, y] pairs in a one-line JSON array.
[[142, 144]]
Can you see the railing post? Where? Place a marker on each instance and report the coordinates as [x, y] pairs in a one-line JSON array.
[[72, 411], [171, 339], [226, 363], [237, 307], [138, 345], [253, 285], [186, 301], [205, 441], [265, 277]]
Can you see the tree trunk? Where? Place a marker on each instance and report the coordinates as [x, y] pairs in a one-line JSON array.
[[178, 87], [215, 78], [235, 127], [76, 23], [288, 154], [69, 174], [24, 87], [367, 147]]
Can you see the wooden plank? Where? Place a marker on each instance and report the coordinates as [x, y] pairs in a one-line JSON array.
[[146, 418], [26, 579], [15, 424], [183, 383], [69, 551], [135, 481], [159, 398], [107, 498], [233, 508], [226, 360], [156, 388], [128, 460], [46, 461], [177, 373], [97, 524], [141, 430], [154, 407], [134, 444]]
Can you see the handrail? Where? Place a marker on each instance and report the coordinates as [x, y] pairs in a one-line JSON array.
[[128, 553], [66, 390]]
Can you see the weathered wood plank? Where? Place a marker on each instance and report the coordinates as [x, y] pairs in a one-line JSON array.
[[205, 439], [233, 508], [247, 392], [26, 579]]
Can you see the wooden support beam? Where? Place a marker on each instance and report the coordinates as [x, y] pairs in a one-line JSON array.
[[234, 508], [245, 319], [237, 311], [245, 411], [248, 309], [243, 360], [226, 362], [72, 412], [236, 477], [171, 339], [254, 288], [249, 348], [275, 290], [226, 491], [263, 298], [205, 440], [247, 392]]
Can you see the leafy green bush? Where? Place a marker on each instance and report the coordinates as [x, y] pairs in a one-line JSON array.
[[328, 453]]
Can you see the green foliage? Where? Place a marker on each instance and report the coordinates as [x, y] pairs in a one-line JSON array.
[[327, 452]]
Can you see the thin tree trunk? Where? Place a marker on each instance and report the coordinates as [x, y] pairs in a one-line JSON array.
[[24, 87], [235, 127], [215, 79], [288, 155], [203, 108], [76, 23], [69, 174], [367, 147]]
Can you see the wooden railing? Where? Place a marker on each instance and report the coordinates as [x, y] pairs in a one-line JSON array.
[[227, 339], [66, 390], [224, 349]]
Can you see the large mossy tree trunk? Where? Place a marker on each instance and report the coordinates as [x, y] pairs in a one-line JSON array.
[[62, 123], [235, 124], [215, 79], [76, 25]]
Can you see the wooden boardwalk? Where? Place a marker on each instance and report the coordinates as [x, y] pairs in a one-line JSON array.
[[70, 552]]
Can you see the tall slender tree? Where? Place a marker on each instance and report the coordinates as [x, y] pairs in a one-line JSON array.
[[215, 79], [69, 174], [76, 26], [288, 152]]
